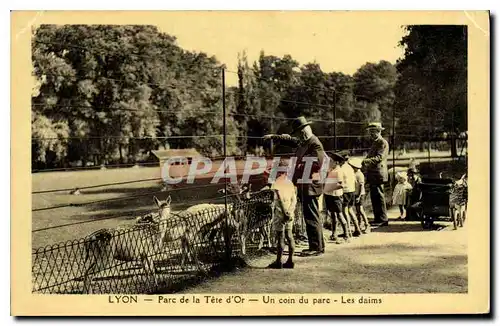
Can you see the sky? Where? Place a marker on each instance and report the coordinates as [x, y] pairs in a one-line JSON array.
[[335, 41]]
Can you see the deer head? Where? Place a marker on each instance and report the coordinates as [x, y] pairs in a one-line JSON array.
[[164, 207], [240, 190]]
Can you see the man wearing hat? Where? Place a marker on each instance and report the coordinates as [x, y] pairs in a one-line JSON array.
[[375, 164], [307, 146]]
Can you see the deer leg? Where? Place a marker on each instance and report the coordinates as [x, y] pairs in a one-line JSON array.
[[453, 217], [87, 278], [243, 240], [261, 238], [267, 230], [148, 265], [462, 212], [189, 254], [88, 275]]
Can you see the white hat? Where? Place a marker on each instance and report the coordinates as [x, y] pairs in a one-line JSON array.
[[355, 162], [375, 125]]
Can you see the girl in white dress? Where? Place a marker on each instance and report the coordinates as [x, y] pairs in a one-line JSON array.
[[400, 192]]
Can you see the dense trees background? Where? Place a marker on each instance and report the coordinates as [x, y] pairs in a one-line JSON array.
[[110, 94]]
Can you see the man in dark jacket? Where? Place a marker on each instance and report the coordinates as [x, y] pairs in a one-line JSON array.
[[308, 147], [375, 164]]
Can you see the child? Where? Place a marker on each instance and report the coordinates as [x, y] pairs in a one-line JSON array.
[[349, 185], [359, 194], [283, 218], [333, 194], [400, 193]]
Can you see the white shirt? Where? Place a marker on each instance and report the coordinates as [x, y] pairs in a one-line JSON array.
[[360, 183], [288, 195], [335, 176], [349, 183]]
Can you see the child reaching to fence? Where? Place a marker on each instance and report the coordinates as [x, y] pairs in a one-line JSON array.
[[359, 194], [283, 217], [402, 188]]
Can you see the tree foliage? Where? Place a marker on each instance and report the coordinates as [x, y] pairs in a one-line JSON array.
[[432, 90], [122, 91], [109, 93]]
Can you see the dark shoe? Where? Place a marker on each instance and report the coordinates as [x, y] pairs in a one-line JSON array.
[[333, 238], [289, 264], [379, 224], [312, 253], [356, 234], [275, 265], [341, 240]]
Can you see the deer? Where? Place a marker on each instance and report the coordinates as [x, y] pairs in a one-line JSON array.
[[140, 241], [458, 202], [244, 214], [258, 216]]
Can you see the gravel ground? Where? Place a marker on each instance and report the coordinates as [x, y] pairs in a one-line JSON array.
[[400, 258]]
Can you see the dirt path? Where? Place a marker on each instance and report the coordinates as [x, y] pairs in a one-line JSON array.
[[400, 258]]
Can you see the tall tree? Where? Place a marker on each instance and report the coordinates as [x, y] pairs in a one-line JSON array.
[[432, 90]]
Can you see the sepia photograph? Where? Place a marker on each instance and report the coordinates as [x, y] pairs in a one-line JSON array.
[[191, 153]]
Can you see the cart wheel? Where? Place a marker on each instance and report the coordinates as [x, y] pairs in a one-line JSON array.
[[426, 222]]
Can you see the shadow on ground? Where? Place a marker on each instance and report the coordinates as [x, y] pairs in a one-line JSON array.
[[430, 262], [408, 227]]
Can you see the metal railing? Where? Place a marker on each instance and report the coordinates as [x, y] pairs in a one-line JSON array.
[[160, 255]]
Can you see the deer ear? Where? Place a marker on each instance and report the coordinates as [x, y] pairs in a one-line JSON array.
[[168, 200], [157, 201], [221, 191]]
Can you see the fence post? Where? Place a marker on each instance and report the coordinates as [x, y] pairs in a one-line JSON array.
[[227, 240], [393, 146], [335, 120]]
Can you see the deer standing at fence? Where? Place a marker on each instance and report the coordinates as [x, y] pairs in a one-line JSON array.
[[140, 241], [458, 202], [197, 227], [257, 216], [242, 214]]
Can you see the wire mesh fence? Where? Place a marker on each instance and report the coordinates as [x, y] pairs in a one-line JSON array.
[[161, 251]]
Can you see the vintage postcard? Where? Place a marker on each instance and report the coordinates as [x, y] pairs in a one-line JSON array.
[[172, 163]]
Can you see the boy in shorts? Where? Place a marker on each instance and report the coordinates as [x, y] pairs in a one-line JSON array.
[[349, 187], [359, 194], [333, 194], [283, 218]]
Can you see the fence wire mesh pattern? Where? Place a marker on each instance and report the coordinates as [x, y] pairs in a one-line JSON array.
[[158, 253]]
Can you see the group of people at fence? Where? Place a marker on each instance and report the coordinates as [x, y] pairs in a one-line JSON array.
[[343, 195]]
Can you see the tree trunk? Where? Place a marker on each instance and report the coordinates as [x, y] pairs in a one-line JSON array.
[[453, 144], [120, 149]]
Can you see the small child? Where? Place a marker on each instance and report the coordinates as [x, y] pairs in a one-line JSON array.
[[400, 192], [349, 185], [333, 194], [283, 218], [359, 194]]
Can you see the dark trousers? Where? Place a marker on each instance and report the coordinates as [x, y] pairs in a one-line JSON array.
[[314, 227], [334, 206], [378, 202]]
